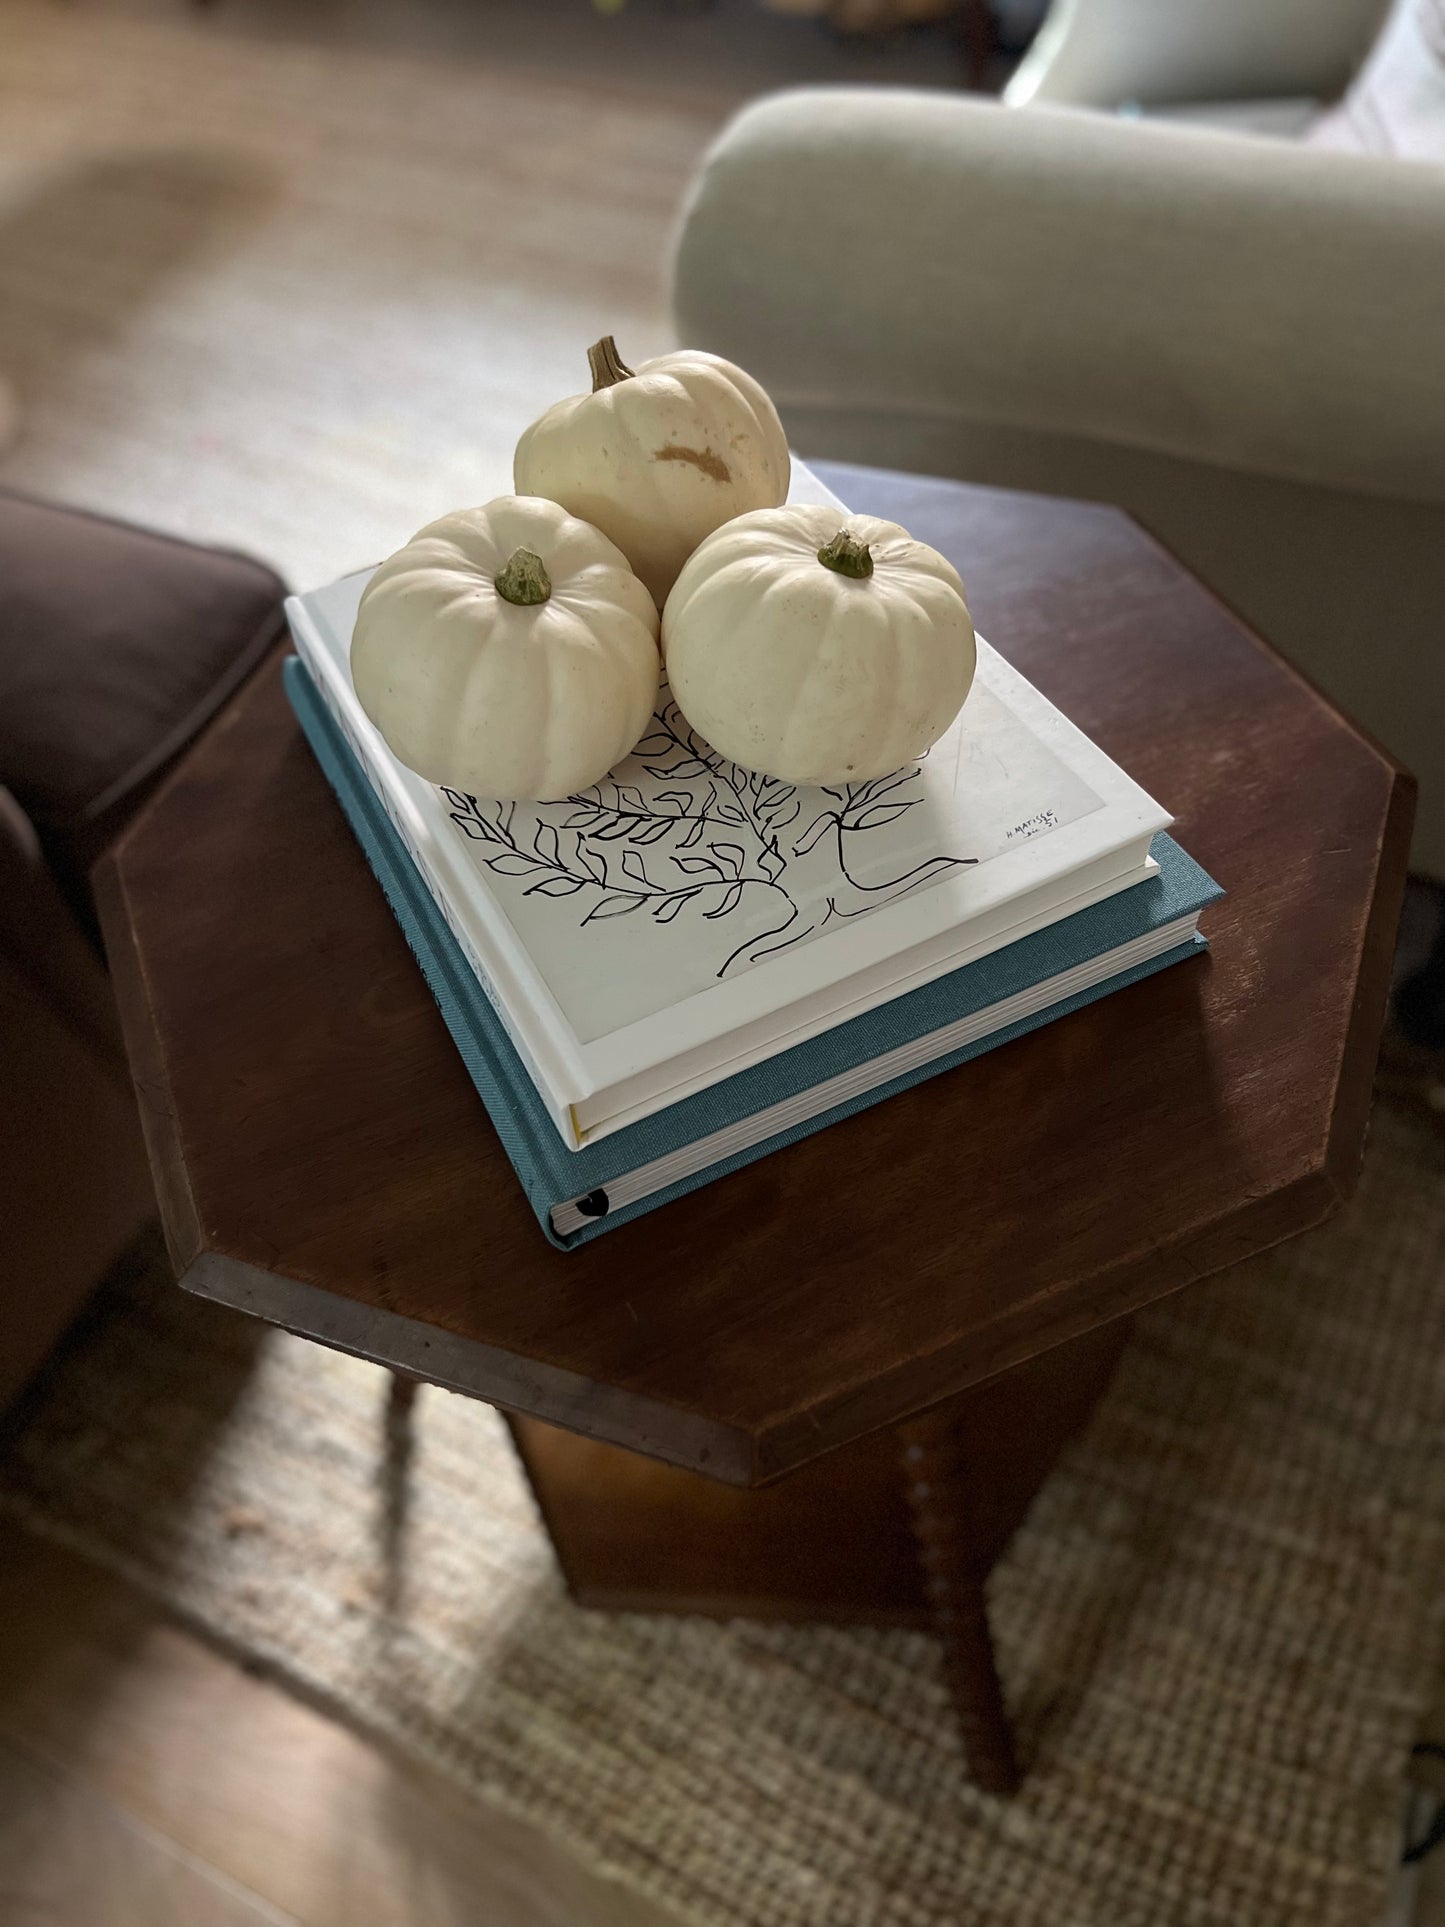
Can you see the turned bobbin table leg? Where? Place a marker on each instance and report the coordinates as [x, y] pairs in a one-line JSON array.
[[401, 1394], [954, 1565]]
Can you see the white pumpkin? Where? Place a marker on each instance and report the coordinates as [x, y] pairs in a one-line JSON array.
[[658, 457], [507, 651], [818, 647]]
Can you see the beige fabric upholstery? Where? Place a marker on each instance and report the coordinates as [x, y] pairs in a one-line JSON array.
[[1144, 285], [1286, 120], [1241, 342], [1396, 105], [1100, 52]]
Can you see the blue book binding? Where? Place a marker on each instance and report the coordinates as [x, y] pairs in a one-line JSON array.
[[577, 1195]]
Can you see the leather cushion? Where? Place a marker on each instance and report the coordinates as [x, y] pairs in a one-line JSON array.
[[116, 646]]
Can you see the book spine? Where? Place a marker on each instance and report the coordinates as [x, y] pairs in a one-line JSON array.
[[561, 1117]]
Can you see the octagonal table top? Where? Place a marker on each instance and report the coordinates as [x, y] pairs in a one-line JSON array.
[[323, 1160]]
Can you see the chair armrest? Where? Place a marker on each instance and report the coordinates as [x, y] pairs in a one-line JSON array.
[[1100, 53], [117, 645], [1256, 305]]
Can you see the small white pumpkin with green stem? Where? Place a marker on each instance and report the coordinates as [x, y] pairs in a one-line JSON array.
[[818, 647], [507, 651], [659, 456]]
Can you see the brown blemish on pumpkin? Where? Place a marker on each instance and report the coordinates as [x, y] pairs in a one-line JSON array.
[[711, 465]]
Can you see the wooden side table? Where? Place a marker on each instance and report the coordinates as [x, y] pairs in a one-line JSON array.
[[829, 1385]]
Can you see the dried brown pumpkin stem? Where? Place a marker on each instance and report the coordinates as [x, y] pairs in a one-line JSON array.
[[608, 367]]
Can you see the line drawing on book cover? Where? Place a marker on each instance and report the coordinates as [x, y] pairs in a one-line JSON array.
[[719, 837]]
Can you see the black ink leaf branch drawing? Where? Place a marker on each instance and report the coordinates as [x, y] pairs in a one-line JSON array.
[[867, 806], [717, 837]]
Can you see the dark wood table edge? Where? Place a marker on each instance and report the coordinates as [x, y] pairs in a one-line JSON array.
[[1354, 1089], [464, 1365], [995, 1350], [150, 1073], [1350, 1117]]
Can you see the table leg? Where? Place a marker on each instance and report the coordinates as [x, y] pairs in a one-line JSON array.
[[400, 1398], [843, 1539], [954, 1566], [395, 1480]]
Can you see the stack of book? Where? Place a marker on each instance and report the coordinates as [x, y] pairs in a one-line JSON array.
[[690, 965]]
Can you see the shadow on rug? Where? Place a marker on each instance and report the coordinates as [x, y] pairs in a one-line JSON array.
[[1217, 1628]]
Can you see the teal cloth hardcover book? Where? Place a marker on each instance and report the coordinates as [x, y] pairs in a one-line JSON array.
[[579, 1194]]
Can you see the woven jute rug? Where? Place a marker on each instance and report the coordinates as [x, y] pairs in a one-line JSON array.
[[1217, 1628]]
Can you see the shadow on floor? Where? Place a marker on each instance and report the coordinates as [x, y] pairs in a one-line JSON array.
[[97, 243]]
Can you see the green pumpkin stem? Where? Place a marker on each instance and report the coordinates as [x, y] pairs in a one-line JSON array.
[[525, 580], [608, 367], [846, 555]]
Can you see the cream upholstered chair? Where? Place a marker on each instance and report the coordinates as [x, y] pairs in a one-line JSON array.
[[1265, 66], [1239, 340]]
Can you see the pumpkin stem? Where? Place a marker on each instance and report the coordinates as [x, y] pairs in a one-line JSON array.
[[608, 367], [525, 580], [846, 555]]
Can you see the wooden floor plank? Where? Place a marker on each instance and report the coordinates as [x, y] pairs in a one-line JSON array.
[[103, 1691], [69, 1856]]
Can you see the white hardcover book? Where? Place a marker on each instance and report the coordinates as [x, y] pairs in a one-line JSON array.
[[687, 918]]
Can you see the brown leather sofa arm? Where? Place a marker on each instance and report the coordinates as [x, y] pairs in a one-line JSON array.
[[117, 646]]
